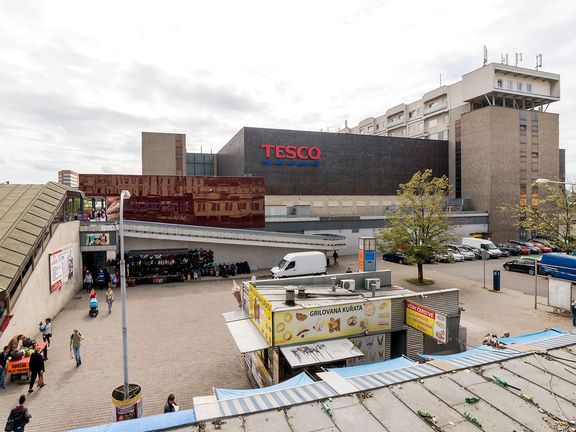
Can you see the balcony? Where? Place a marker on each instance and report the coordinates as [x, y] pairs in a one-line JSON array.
[[395, 122], [438, 107]]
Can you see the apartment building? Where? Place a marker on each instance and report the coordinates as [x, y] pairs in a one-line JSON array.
[[501, 136], [68, 178]]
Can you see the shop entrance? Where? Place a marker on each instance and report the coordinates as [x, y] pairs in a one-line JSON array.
[[93, 261], [397, 343]]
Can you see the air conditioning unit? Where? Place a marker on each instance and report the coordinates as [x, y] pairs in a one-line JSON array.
[[369, 282], [349, 284]]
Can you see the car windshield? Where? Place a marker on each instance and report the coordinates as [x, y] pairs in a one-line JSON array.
[[282, 264]]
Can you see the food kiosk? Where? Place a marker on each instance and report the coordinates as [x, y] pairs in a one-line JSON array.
[[285, 330], [21, 367]]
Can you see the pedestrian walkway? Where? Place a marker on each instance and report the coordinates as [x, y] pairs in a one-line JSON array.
[[178, 343]]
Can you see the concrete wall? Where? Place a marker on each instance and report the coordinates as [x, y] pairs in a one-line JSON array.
[[159, 153], [492, 171], [36, 301], [259, 257]]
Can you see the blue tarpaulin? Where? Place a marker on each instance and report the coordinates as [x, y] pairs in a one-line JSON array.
[[146, 424], [532, 337], [352, 371], [298, 380]]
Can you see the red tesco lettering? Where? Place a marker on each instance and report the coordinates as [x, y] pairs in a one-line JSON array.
[[291, 152]]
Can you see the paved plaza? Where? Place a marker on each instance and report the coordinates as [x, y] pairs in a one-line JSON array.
[[179, 343]]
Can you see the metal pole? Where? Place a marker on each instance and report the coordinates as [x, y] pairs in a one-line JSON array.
[[484, 260], [123, 295], [535, 284]]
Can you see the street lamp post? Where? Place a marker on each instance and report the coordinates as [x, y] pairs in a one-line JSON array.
[[123, 195], [544, 181]]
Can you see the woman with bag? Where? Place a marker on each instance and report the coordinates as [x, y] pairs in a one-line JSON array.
[[36, 367], [46, 330], [19, 417]]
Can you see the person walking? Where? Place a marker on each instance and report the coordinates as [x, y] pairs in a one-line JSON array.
[[36, 369], [19, 416], [335, 258], [171, 405], [46, 330], [109, 299], [75, 345], [3, 361], [88, 281], [574, 313]]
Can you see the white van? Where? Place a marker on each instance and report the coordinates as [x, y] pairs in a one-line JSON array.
[[482, 244], [300, 264]]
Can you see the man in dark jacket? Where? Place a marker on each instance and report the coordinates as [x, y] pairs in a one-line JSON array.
[[20, 415], [36, 367], [3, 361]]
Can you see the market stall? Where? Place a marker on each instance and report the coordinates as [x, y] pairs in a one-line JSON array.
[[21, 367]]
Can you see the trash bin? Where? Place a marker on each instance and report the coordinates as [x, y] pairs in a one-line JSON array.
[[496, 280], [129, 408]]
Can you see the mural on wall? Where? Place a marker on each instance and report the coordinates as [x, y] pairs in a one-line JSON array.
[[227, 202]]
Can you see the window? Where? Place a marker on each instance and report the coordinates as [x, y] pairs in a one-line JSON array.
[[377, 126], [519, 86], [412, 114], [369, 128], [445, 135], [419, 111], [432, 123], [509, 84], [291, 265], [362, 132], [529, 87], [499, 83], [446, 119]]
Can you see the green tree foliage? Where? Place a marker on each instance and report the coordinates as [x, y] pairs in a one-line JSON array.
[[553, 217], [419, 227]]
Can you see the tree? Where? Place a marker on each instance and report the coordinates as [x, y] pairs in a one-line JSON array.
[[553, 217], [419, 227]]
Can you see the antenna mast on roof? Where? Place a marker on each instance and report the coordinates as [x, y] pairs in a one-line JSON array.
[[518, 58], [504, 58], [485, 56], [538, 61]]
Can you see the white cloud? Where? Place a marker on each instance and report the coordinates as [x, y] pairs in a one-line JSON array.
[[80, 81]]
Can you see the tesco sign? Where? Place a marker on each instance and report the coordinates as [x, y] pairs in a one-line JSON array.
[[291, 155]]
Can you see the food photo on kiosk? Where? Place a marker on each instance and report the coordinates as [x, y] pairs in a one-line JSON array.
[[294, 329]]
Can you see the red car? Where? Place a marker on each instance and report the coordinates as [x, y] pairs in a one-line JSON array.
[[522, 250], [543, 248]]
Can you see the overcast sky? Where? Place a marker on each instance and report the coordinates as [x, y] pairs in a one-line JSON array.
[[80, 81]]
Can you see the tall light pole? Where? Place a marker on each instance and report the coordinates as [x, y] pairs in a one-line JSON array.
[[123, 195]]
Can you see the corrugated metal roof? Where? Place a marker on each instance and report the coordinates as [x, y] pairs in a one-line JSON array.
[[25, 211]]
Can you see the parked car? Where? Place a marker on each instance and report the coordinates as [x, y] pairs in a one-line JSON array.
[[522, 265], [467, 254], [542, 247], [546, 242], [514, 249], [533, 249], [482, 244], [474, 250], [504, 253], [396, 257], [443, 257], [456, 255]]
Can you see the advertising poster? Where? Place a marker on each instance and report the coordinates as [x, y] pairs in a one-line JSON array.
[[260, 312], [328, 322], [427, 321], [98, 239], [373, 347], [61, 267]]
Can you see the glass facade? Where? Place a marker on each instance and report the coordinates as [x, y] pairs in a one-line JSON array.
[[199, 164]]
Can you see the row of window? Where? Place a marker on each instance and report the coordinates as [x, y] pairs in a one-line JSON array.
[[412, 129], [519, 86]]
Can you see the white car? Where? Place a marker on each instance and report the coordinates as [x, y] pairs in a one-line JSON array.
[[468, 254], [456, 255]]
